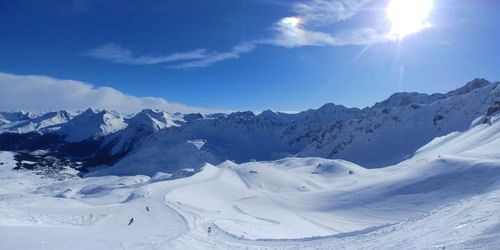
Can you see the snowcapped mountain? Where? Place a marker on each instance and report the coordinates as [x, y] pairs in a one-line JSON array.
[[140, 126], [444, 197], [154, 120], [8, 117], [150, 141], [179, 175], [47, 122], [91, 124], [382, 135], [402, 124]]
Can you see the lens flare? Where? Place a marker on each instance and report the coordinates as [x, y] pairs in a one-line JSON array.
[[408, 16]]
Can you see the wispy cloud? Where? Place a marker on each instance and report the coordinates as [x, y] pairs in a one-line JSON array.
[[304, 28], [325, 12], [215, 57], [190, 59], [42, 93], [115, 53], [291, 33]]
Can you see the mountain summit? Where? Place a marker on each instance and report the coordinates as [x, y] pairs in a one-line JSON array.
[[386, 133]]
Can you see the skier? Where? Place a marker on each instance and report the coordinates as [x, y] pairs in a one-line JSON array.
[[131, 221], [209, 230], [147, 208]]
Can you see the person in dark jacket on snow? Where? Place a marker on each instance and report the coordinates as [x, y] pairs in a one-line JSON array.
[[131, 221]]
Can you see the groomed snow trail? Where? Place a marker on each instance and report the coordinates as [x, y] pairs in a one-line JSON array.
[[446, 196]]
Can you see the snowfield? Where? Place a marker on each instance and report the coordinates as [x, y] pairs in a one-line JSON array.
[[151, 141], [446, 196]]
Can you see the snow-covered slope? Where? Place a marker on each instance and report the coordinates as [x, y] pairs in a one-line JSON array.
[[311, 197], [45, 123], [382, 135], [139, 126], [154, 120], [9, 117], [444, 197], [91, 124], [16, 116], [391, 131], [379, 136]]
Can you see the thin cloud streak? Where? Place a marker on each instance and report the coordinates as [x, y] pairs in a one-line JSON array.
[[302, 29], [325, 12], [115, 53], [191, 59], [216, 57]]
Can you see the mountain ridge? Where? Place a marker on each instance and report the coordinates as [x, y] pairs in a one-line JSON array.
[[402, 123]]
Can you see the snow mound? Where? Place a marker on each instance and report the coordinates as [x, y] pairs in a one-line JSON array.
[[446, 196]]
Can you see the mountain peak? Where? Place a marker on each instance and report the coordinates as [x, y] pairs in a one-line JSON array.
[[154, 119], [151, 111], [89, 111], [469, 87], [92, 123], [241, 115], [406, 98], [192, 117], [332, 107], [268, 113]]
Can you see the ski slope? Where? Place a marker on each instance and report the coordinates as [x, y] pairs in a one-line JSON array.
[[446, 196], [151, 141]]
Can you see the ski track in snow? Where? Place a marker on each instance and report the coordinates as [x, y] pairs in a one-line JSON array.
[[446, 197]]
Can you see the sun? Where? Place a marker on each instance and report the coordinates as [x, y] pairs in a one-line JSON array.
[[408, 16], [291, 21]]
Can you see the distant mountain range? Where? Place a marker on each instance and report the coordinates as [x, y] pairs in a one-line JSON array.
[[108, 142]]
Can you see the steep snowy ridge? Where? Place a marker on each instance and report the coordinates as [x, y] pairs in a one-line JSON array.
[[138, 127], [400, 126], [444, 197], [43, 123], [8, 117], [91, 124], [384, 134], [469, 87], [239, 175], [154, 120], [405, 98]]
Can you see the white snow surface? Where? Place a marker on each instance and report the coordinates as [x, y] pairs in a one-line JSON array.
[[90, 124], [20, 122], [447, 196], [379, 136]]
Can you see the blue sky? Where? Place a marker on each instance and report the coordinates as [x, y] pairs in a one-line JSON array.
[[245, 55]]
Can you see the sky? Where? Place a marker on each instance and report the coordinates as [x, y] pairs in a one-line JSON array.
[[204, 56]]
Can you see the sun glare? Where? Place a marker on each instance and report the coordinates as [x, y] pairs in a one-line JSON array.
[[408, 16], [291, 21]]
